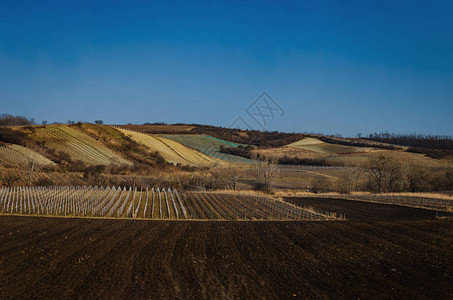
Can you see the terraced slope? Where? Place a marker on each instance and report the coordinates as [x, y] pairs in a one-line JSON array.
[[208, 145], [171, 150], [15, 155], [79, 146], [316, 145]]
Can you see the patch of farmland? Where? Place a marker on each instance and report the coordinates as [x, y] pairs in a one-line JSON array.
[[151, 203], [209, 145], [316, 145], [363, 211], [171, 150], [79, 146], [15, 155], [67, 258]]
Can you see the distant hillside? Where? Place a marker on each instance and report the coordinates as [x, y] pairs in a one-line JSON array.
[[239, 136], [171, 150], [79, 145]]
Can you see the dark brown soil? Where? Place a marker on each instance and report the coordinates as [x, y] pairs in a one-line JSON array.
[[364, 211], [110, 259]]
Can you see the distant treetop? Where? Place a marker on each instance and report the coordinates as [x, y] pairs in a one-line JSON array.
[[10, 120]]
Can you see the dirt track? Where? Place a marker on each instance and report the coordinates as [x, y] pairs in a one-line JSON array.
[[87, 258]]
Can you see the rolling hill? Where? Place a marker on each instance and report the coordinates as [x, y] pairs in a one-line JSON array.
[[78, 146], [171, 150]]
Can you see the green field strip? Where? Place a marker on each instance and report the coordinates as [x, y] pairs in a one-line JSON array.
[[224, 141]]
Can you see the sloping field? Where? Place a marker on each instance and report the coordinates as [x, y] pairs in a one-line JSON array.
[[316, 145], [15, 155], [79, 146], [171, 150], [209, 145], [61, 258]]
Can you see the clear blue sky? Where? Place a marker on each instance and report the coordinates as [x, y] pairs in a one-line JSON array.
[[333, 66]]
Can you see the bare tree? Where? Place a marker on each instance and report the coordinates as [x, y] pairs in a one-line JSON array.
[[376, 170], [266, 171], [350, 181], [416, 177], [394, 175], [217, 179], [385, 173], [321, 184]]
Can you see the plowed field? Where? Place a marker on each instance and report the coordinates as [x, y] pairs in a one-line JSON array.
[[63, 258], [364, 211]]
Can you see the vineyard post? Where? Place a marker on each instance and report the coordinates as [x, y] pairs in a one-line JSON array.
[[152, 207], [146, 204], [20, 200], [133, 201], [28, 201]]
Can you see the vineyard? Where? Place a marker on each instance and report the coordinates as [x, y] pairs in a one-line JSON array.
[[172, 151], [79, 146], [112, 202], [15, 155], [208, 145]]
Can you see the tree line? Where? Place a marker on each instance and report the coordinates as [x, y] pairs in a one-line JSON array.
[[10, 120], [384, 174], [443, 142]]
